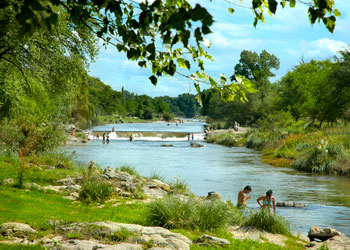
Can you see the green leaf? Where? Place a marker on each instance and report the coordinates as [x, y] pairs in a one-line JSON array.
[[292, 3], [231, 10], [153, 80], [336, 12], [272, 6], [183, 63]]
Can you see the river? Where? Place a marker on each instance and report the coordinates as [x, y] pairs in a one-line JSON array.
[[226, 171]]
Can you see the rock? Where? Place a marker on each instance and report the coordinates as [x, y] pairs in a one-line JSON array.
[[110, 172], [124, 176], [323, 234], [211, 240], [196, 145], [125, 194], [154, 192], [290, 204], [104, 176], [60, 165], [73, 188], [213, 195], [129, 187], [66, 181], [154, 183], [52, 188], [32, 186], [167, 145], [93, 245], [8, 181], [9, 228]]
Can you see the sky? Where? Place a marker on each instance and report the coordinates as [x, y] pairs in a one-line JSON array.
[[288, 35]]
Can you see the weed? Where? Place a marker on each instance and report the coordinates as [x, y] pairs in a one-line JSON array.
[[95, 190]]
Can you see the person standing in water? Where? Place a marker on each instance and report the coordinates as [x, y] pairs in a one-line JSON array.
[[242, 197], [268, 201], [107, 138], [103, 138]]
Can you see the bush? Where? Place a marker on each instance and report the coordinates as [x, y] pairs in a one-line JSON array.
[[265, 220], [173, 212], [95, 190], [228, 139]]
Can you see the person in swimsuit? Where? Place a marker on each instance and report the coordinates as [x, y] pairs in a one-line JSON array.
[[242, 197], [268, 201]]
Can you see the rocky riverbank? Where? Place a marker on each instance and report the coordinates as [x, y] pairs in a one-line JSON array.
[[130, 191]]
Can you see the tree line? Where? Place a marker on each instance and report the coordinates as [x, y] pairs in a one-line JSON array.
[[318, 91]]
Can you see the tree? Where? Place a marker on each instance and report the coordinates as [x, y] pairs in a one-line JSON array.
[[154, 33]]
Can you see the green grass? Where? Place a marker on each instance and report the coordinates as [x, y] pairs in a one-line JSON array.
[[129, 169], [20, 247], [172, 212], [95, 190], [228, 139], [265, 220], [37, 209]]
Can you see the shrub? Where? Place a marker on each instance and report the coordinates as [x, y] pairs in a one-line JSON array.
[[265, 220], [157, 176], [95, 190], [173, 212]]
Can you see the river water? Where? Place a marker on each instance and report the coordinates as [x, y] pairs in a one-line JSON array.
[[226, 171]]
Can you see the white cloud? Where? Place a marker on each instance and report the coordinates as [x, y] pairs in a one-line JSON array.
[[321, 48]]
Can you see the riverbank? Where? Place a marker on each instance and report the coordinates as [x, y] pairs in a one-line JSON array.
[[60, 202], [323, 151]]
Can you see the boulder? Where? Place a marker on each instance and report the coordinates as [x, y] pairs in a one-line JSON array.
[[9, 228], [213, 195], [154, 192], [323, 234], [206, 240], [110, 172]]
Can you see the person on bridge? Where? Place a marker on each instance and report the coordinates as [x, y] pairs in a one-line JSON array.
[[268, 201]]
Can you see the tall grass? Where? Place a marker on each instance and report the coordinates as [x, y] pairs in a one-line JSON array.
[[180, 187], [129, 169], [228, 139], [265, 220], [95, 190], [173, 212]]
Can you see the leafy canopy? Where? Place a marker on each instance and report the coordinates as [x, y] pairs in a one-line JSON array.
[[161, 34]]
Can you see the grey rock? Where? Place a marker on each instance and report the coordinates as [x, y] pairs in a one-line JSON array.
[[323, 234], [167, 145], [32, 186], [66, 181], [213, 195], [8, 181], [299, 205], [110, 172], [196, 145], [104, 176], [15, 227], [154, 192], [211, 240]]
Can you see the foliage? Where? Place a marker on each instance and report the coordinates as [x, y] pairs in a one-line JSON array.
[[137, 28], [180, 186], [173, 212], [95, 191], [228, 139], [129, 169], [266, 220]]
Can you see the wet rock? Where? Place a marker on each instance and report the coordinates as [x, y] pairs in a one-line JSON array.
[[196, 145], [290, 204], [323, 234], [206, 240], [167, 145], [9, 228]]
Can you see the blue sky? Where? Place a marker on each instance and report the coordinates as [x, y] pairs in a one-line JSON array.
[[288, 35]]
